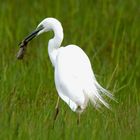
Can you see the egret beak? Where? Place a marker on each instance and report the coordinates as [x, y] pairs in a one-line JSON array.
[[24, 43]]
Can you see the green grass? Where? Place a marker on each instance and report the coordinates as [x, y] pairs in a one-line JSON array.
[[108, 31]]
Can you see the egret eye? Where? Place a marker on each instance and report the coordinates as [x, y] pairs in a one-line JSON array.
[[40, 27]]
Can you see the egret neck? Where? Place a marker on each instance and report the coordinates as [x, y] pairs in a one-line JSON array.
[[55, 42]]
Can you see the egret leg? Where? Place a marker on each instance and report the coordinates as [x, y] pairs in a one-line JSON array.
[[56, 108], [78, 119]]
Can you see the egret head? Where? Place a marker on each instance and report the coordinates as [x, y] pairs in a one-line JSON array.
[[46, 25], [49, 24]]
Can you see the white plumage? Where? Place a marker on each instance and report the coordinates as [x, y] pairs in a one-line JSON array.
[[74, 78]]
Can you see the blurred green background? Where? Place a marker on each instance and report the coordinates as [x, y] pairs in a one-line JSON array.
[[108, 31]]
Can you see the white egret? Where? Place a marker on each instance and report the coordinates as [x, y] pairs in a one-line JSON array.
[[74, 78]]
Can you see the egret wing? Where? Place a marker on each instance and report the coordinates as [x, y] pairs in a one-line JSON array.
[[73, 70]]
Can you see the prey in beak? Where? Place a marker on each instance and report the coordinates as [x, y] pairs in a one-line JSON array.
[[23, 44]]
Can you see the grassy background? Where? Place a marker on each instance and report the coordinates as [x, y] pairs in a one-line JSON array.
[[108, 31]]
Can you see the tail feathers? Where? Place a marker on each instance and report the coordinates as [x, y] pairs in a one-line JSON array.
[[100, 98], [104, 91], [95, 96]]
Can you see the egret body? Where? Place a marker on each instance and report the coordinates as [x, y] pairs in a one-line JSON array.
[[74, 78]]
